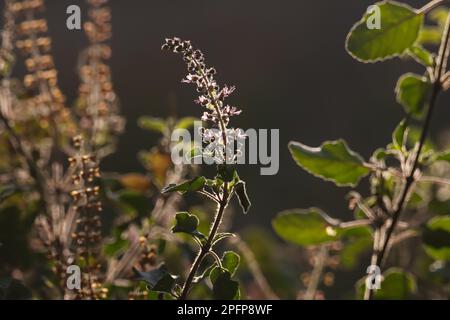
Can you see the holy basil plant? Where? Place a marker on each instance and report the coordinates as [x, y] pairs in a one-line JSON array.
[[399, 173], [220, 189]]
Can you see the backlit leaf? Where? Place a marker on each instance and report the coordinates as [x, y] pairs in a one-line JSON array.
[[436, 238], [332, 161], [242, 196], [187, 223], [224, 288], [305, 227], [159, 279], [195, 184], [399, 30], [413, 92]]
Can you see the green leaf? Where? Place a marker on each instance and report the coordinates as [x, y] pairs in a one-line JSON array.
[[193, 185], [413, 138], [421, 55], [332, 161], [187, 223], [355, 242], [443, 156], [399, 30], [396, 285], [431, 35], [153, 124], [305, 227], [159, 280], [186, 123], [241, 193], [439, 15], [412, 93], [399, 135], [230, 261], [224, 288], [436, 238]]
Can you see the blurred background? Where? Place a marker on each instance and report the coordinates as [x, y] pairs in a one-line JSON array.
[[288, 62], [292, 73]]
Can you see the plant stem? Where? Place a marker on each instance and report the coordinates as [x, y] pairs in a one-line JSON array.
[[355, 223], [223, 203], [44, 88], [317, 273], [368, 294], [410, 179], [207, 246], [436, 180], [430, 6]]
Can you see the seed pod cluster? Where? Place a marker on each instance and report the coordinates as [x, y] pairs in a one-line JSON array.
[[97, 104], [7, 35], [147, 261], [54, 249], [42, 77], [149, 254], [85, 198]]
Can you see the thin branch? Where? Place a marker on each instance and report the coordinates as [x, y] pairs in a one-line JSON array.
[[207, 246], [356, 198], [368, 293], [404, 236], [435, 180], [430, 6], [355, 223], [316, 275], [209, 195], [445, 77]]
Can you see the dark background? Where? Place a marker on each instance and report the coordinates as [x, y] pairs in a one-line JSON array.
[[288, 61]]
